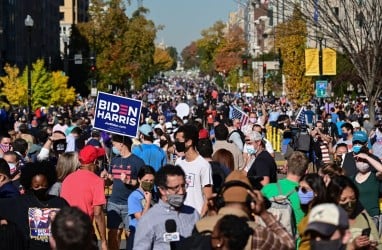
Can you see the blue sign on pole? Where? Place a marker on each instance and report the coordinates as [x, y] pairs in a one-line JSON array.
[[322, 89], [117, 114]]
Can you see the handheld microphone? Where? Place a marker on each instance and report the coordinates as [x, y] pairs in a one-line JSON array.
[[171, 234]]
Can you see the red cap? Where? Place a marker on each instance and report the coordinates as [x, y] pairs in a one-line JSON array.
[[90, 153], [203, 134]]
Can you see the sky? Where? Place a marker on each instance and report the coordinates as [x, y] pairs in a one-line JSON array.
[[183, 20]]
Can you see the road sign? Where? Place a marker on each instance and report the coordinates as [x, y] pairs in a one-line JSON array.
[[322, 89], [78, 59]]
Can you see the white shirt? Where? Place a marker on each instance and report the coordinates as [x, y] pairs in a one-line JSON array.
[[198, 175]]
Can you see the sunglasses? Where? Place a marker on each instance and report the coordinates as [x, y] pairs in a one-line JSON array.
[[303, 189]]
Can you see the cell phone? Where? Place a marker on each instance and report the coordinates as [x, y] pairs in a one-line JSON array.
[[366, 232]]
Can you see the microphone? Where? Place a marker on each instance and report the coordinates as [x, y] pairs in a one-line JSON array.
[[171, 234]]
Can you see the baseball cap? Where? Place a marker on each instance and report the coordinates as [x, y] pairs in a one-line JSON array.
[[366, 116], [255, 136], [326, 218], [355, 125], [236, 193], [146, 129], [360, 136], [90, 153], [203, 134]]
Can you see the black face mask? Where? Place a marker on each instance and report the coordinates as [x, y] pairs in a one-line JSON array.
[[180, 146], [41, 194], [327, 245]]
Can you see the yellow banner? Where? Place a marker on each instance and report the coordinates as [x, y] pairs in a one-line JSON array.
[[329, 62], [312, 67]]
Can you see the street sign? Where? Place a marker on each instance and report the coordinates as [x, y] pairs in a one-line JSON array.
[[78, 59], [322, 89]]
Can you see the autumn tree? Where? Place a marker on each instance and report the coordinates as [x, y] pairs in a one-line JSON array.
[[208, 46], [230, 50], [47, 88], [123, 47], [162, 60], [190, 56], [291, 39], [13, 89], [355, 28]]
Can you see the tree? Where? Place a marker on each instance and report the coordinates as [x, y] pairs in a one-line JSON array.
[[291, 39], [162, 60], [47, 88], [61, 94], [174, 55], [208, 45], [190, 56], [230, 50], [354, 28], [13, 89]]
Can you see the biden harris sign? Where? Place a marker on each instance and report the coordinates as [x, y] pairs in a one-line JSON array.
[[117, 114]]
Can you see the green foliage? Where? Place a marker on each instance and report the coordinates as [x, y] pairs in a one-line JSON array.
[[124, 47], [174, 55], [47, 88]]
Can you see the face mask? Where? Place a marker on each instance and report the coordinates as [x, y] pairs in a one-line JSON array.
[[344, 135], [349, 207], [363, 167], [357, 148], [305, 198], [252, 120], [326, 244], [162, 143], [161, 122], [180, 146], [116, 151], [41, 194], [4, 147], [174, 123], [147, 186], [251, 150], [175, 200], [329, 120]]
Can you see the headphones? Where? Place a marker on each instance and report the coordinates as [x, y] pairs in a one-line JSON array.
[[219, 200]]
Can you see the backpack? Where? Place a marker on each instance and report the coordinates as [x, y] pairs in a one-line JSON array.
[[302, 142], [242, 135], [218, 175], [281, 209]]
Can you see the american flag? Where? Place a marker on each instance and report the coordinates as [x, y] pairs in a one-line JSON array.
[[237, 113], [300, 118]]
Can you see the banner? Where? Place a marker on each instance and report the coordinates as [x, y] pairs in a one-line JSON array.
[[312, 67], [329, 62], [117, 114]]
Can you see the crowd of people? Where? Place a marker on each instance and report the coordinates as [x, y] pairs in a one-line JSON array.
[[208, 179]]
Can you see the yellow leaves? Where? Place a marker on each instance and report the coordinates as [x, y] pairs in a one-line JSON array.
[[162, 60], [13, 88]]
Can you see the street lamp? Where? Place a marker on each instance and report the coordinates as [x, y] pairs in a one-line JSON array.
[[65, 39], [320, 37], [264, 65], [29, 24]]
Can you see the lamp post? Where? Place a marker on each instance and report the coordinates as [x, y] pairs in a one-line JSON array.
[[29, 24], [264, 65], [320, 37], [65, 39]]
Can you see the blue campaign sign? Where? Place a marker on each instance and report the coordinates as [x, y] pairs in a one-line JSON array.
[[117, 114]]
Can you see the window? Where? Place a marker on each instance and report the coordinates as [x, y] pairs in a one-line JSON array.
[[62, 16]]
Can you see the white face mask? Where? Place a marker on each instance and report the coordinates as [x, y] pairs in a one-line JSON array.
[[252, 120], [363, 167], [251, 150]]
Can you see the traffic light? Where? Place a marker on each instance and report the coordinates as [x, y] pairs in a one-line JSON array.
[[244, 64], [92, 68]]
